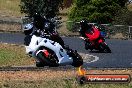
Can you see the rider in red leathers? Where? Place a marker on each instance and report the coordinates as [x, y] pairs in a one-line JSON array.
[[89, 33]]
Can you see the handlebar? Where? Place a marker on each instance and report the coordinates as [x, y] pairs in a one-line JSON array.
[[42, 33], [85, 39]]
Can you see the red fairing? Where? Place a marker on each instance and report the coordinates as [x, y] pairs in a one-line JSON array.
[[46, 53], [94, 35], [100, 40]]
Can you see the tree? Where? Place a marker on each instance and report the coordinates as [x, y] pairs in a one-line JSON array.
[[100, 11], [67, 3], [122, 3], [123, 17], [43, 7]]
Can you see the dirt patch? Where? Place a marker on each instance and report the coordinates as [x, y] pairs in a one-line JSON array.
[[53, 79], [53, 74], [118, 36], [10, 28], [110, 72], [35, 75]]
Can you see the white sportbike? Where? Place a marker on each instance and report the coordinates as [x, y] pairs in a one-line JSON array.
[[50, 53]]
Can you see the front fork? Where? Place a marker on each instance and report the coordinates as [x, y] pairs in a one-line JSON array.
[[88, 45]]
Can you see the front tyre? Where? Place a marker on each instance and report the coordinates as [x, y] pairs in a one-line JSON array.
[[39, 64], [77, 59], [86, 46], [104, 48]]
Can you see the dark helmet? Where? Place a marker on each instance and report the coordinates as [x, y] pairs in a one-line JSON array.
[[38, 21], [84, 25], [37, 17]]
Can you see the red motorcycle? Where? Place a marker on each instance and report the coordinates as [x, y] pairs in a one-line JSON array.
[[94, 40]]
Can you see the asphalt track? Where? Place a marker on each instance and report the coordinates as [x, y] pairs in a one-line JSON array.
[[121, 56]]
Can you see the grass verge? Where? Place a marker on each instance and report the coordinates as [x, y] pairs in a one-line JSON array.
[[50, 79], [58, 83], [12, 55], [10, 8]]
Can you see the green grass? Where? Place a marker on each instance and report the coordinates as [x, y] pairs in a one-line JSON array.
[[11, 55], [10, 7], [58, 83]]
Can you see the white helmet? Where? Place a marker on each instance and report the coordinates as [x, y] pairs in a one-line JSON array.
[[28, 26], [28, 29]]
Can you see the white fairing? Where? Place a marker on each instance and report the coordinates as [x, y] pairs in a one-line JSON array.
[[37, 42]]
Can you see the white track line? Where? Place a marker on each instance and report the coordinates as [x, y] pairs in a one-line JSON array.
[[96, 58]]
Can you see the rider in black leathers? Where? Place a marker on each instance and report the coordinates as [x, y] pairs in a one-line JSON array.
[[39, 23]]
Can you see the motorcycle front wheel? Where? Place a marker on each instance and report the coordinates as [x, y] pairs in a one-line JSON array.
[[103, 47], [77, 59], [39, 64]]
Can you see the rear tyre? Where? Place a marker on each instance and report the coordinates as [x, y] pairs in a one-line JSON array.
[[104, 48]]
